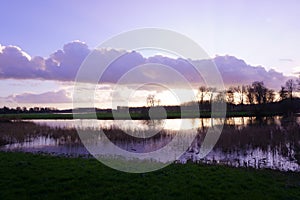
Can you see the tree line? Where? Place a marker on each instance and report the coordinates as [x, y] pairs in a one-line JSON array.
[[7, 110], [255, 93], [255, 97]]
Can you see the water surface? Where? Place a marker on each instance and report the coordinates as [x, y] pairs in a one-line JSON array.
[[270, 142]]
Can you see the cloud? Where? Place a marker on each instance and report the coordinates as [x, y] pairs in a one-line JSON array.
[[235, 72], [63, 65], [14, 63], [60, 96], [286, 60]]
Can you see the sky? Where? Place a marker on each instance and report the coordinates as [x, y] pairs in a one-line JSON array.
[[261, 33]]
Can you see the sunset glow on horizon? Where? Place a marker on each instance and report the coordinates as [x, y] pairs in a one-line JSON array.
[[40, 52]]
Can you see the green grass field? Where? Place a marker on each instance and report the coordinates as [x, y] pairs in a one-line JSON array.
[[28, 176]]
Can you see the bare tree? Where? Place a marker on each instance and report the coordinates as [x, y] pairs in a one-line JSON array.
[[291, 87], [230, 95], [240, 91], [260, 92], [270, 96], [283, 93], [202, 93], [250, 94], [220, 97], [158, 101], [150, 100], [211, 94]]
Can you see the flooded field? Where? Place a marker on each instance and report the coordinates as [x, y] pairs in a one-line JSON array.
[[272, 142]]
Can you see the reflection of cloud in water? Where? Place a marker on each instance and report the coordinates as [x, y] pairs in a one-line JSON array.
[[169, 124], [268, 142]]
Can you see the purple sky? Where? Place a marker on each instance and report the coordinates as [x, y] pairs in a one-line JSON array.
[[264, 33], [261, 32]]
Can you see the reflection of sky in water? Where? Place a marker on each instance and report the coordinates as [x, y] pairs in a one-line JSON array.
[[169, 124], [256, 158], [250, 156]]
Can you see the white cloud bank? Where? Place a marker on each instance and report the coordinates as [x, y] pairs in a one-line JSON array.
[[63, 65], [60, 96]]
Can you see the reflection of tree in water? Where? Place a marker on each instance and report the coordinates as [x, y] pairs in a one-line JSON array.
[[264, 134], [139, 143], [21, 131], [239, 139], [287, 121], [153, 124]]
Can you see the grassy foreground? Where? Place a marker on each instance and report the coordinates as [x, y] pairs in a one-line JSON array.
[[28, 176]]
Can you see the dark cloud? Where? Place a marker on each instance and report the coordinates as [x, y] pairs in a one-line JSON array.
[[63, 65]]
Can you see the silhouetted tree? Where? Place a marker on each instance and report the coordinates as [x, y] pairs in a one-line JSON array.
[[240, 91], [18, 109], [202, 93], [220, 97], [250, 94], [283, 93], [270, 97], [24, 109], [230, 95], [150, 100], [211, 94], [6, 109], [260, 92], [158, 101], [291, 87]]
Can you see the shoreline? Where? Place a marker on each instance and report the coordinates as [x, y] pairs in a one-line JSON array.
[[176, 162], [134, 116]]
